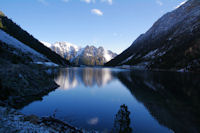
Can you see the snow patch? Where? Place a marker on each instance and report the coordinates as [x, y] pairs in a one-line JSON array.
[[13, 42], [182, 3], [46, 44], [161, 53], [79, 52], [50, 64], [107, 56], [151, 54], [129, 58], [66, 47], [12, 121]]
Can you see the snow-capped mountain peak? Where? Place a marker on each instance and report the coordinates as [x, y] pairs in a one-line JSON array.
[[107, 56], [66, 46], [89, 55], [46, 43]]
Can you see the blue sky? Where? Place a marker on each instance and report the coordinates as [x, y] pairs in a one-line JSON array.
[[113, 24]]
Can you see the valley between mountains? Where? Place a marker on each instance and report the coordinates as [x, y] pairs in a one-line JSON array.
[[88, 56], [28, 67]]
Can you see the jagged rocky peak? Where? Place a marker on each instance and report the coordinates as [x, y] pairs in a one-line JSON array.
[[171, 43], [88, 55], [66, 46]]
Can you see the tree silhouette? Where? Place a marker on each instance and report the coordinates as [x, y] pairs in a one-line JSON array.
[[122, 121]]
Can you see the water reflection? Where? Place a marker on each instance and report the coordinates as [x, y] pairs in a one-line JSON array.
[[66, 79], [172, 98], [154, 100], [122, 121], [93, 121], [71, 77]]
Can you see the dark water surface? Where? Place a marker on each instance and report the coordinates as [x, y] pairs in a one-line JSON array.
[[92, 98]]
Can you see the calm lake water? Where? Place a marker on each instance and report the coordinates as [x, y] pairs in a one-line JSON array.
[[92, 99]]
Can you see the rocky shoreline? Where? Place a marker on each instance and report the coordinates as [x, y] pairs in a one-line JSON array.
[[18, 89], [24, 79], [20, 85], [13, 121]]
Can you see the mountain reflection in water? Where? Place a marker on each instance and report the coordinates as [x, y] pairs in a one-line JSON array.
[[69, 78], [171, 98], [157, 101]]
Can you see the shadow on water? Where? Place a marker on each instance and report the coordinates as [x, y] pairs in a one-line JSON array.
[[172, 98]]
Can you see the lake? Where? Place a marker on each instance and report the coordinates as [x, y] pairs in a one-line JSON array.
[[111, 99]]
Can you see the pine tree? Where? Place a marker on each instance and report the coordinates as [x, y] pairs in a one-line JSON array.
[[122, 121]]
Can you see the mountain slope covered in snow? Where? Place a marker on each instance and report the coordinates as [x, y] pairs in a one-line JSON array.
[[20, 47], [89, 55], [11, 28], [173, 42]]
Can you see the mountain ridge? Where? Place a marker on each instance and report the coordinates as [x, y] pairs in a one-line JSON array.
[[14, 30], [158, 47], [88, 55]]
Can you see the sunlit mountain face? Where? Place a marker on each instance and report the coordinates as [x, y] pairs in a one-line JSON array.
[[88, 55], [68, 78]]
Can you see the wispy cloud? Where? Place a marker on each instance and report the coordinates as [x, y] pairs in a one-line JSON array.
[[110, 2], [97, 12], [181, 4], [89, 1], [44, 2], [160, 3]]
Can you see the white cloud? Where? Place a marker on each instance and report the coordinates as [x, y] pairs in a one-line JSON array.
[[43, 2], [89, 1], [110, 2], [180, 4], [160, 3], [97, 12]]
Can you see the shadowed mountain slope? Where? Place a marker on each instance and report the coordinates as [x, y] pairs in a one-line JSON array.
[[17, 32], [173, 42]]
